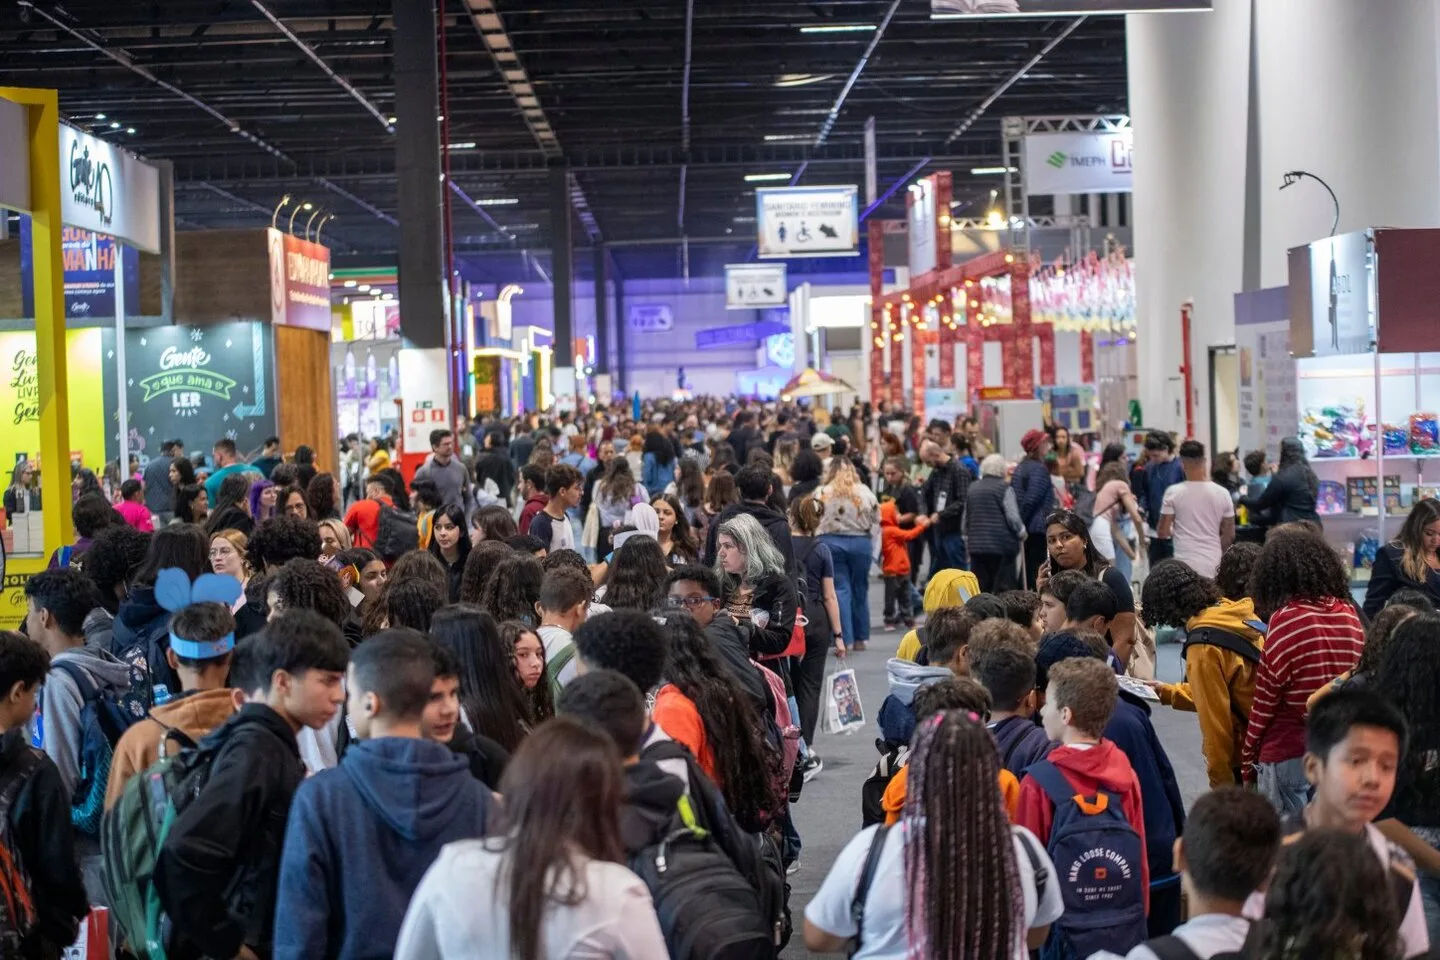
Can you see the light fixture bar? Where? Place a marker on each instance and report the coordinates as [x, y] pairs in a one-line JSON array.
[[839, 28]]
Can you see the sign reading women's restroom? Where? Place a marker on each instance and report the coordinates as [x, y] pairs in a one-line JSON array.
[[196, 383]]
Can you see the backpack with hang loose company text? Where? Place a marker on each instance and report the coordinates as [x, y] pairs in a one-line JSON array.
[[1098, 857]]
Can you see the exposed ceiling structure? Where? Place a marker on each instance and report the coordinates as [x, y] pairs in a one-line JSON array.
[[660, 108]]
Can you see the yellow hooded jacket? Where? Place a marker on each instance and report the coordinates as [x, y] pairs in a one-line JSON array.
[[1219, 687], [948, 588]]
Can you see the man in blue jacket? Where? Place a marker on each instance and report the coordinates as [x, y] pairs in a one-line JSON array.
[[1162, 471], [361, 835]]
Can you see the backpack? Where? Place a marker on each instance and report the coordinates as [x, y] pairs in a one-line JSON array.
[[756, 855], [872, 792], [1084, 506], [396, 534], [17, 903], [1224, 639], [105, 715], [1098, 857], [553, 669], [862, 889], [1173, 948], [786, 730], [706, 908], [133, 832]]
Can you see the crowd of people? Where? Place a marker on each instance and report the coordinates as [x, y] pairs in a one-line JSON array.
[[558, 695]]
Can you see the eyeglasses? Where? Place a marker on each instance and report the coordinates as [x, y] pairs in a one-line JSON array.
[[687, 601]]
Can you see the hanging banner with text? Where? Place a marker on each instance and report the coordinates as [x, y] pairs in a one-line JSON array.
[[109, 191], [807, 222], [1079, 162], [970, 9], [89, 273], [299, 282], [751, 285]]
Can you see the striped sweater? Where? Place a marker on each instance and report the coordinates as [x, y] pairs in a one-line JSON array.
[[1310, 643]]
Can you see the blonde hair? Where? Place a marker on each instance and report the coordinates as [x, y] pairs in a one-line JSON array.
[[805, 514], [843, 477], [236, 539], [342, 535]]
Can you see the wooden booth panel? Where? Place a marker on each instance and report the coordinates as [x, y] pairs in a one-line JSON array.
[[221, 275], [306, 405]]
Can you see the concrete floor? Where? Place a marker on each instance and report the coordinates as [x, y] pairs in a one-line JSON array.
[[828, 813]]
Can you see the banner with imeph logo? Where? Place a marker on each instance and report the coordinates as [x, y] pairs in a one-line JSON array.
[[1079, 162]]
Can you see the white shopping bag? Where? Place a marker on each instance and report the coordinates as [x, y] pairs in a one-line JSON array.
[[843, 711]]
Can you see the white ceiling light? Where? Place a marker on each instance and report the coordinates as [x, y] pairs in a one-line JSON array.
[[801, 79], [987, 171], [391, 120], [765, 177], [99, 116], [783, 137], [465, 145], [839, 28], [349, 283], [497, 202]]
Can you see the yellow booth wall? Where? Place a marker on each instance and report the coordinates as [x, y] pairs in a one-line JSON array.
[[20, 432]]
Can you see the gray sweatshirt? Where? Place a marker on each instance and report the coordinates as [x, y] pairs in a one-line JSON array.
[[451, 479], [60, 706]]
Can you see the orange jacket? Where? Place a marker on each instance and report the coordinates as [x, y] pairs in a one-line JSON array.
[[894, 799], [894, 557]]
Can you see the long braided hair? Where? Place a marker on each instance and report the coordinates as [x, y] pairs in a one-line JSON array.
[[965, 899]]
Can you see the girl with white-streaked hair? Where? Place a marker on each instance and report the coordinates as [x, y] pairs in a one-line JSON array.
[[754, 585], [992, 527]]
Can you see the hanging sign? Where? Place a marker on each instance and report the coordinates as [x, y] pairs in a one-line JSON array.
[[299, 282], [89, 260], [920, 212], [744, 334], [1079, 162], [105, 189], [1330, 296], [650, 317], [807, 222], [749, 285]]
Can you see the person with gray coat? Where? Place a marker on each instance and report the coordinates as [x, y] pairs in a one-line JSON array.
[[993, 528], [450, 476]]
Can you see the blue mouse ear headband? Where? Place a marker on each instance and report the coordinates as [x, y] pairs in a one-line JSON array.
[[175, 592]]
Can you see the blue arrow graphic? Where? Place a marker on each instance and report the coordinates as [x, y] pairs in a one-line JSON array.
[[256, 409]]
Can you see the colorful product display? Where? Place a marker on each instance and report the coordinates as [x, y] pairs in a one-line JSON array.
[[1333, 498], [1337, 430], [1424, 434]]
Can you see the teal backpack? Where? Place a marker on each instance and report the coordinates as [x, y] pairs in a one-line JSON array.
[[133, 833]]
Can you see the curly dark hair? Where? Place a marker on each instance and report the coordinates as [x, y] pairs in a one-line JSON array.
[[421, 565], [1296, 564], [306, 584], [113, 559], [1377, 638], [562, 559], [628, 641], [541, 697], [92, 513], [636, 578], [281, 539], [1409, 674], [1330, 900], [480, 566], [1173, 594], [512, 589], [746, 764], [320, 495], [411, 603], [1233, 576]]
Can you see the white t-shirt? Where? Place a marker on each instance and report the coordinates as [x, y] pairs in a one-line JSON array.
[[1414, 934], [1198, 507], [1207, 935], [884, 936], [458, 913]]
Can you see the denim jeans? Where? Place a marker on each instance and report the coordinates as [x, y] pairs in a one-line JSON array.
[[852, 584], [952, 552], [1284, 785]]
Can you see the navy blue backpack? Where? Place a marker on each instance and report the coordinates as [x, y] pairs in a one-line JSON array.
[[105, 715], [1098, 860]]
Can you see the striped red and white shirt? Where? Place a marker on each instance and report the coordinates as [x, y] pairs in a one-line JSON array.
[[1309, 644]]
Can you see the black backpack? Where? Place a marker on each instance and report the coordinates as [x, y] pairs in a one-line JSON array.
[[397, 533], [707, 910], [872, 791], [1173, 948], [755, 855]]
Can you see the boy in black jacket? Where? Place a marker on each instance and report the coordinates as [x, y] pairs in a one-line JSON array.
[[219, 868], [36, 807]]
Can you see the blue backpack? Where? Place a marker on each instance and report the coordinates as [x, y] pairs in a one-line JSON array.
[[1098, 859], [104, 716]]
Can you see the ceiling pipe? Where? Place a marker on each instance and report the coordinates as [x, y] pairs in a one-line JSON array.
[[1010, 81], [685, 114], [834, 114], [309, 51], [365, 205]]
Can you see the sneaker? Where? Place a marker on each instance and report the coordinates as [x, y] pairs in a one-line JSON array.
[[794, 867], [858, 646], [888, 625], [812, 766]]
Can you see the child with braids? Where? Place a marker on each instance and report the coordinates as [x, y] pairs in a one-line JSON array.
[[953, 880]]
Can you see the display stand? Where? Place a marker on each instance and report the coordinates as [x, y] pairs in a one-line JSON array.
[[1369, 412]]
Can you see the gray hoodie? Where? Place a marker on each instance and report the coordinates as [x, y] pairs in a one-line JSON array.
[[60, 706], [451, 479], [907, 676]]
